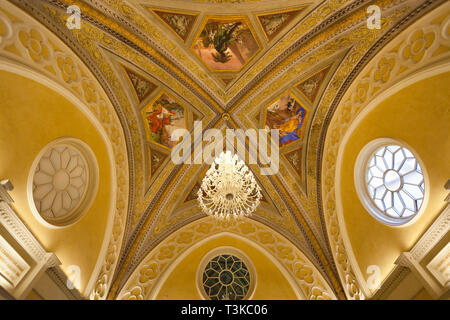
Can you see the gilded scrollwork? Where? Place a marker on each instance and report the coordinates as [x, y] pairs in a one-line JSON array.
[[309, 281], [298, 213], [91, 39], [295, 65], [30, 46], [421, 45]]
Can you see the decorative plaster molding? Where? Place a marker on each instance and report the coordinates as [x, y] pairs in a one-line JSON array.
[[103, 283], [433, 235], [351, 103], [5, 187], [13, 267], [410, 262], [391, 282], [439, 266], [58, 67], [428, 241], [17, 234], [66, 170], [60, 279], [144, 279]]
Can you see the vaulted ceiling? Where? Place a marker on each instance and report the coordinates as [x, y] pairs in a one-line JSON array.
[[141, 51]]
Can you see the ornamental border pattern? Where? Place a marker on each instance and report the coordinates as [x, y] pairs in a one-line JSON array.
[[393, 63], [145, 276], [124, 102], [162, 221], [284, 47], [103, 284], [175, 173], [289, 75], [102, 22], [80, 82], [97, 36]]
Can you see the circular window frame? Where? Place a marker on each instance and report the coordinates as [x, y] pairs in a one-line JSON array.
[[92, 177], [226, 250], [360, 173]]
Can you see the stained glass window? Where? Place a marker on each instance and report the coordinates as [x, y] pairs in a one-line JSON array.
[[226, 277], [395, 183]]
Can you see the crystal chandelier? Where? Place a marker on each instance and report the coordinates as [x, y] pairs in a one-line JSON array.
[[229, 188]]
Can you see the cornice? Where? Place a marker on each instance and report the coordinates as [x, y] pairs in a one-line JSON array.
[[433, 235], [391, 282], [59, 278]]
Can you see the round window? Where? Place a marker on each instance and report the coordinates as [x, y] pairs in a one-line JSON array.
[[226, 274], [63, 181], [226, 277], [393, 182]]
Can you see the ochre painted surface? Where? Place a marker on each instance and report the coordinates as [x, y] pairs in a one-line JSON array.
[[423, 295], [33, 296], [31, 116], [271, 283], [420, 116]]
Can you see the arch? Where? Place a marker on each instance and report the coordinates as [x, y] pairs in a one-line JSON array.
[[154, 293], [339, 163], [395, 67], [144, 279], [57, 67]]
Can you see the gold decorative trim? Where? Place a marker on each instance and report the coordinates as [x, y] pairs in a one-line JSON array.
[[60, 64], [395, 62], [258, 16], [143, 281]]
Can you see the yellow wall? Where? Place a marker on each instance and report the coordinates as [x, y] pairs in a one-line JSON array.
[[271, 283], [420, 116], [31, 116], [423, 295], [33, 296]]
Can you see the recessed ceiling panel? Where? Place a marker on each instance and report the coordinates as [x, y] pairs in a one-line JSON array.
[[225, 43]]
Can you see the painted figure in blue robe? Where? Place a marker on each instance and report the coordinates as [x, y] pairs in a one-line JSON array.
[[290, 129]]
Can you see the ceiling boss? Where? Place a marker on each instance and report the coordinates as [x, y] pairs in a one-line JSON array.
[[229, 189]]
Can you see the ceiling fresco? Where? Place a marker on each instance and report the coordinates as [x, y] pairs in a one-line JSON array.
[[264, 64], [162, 116], [225, 44], [180, 22], [142, 87], [288, 116], [272, 23], [310, 87]]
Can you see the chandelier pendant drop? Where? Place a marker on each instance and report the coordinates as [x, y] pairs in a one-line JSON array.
[[229, 189]]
